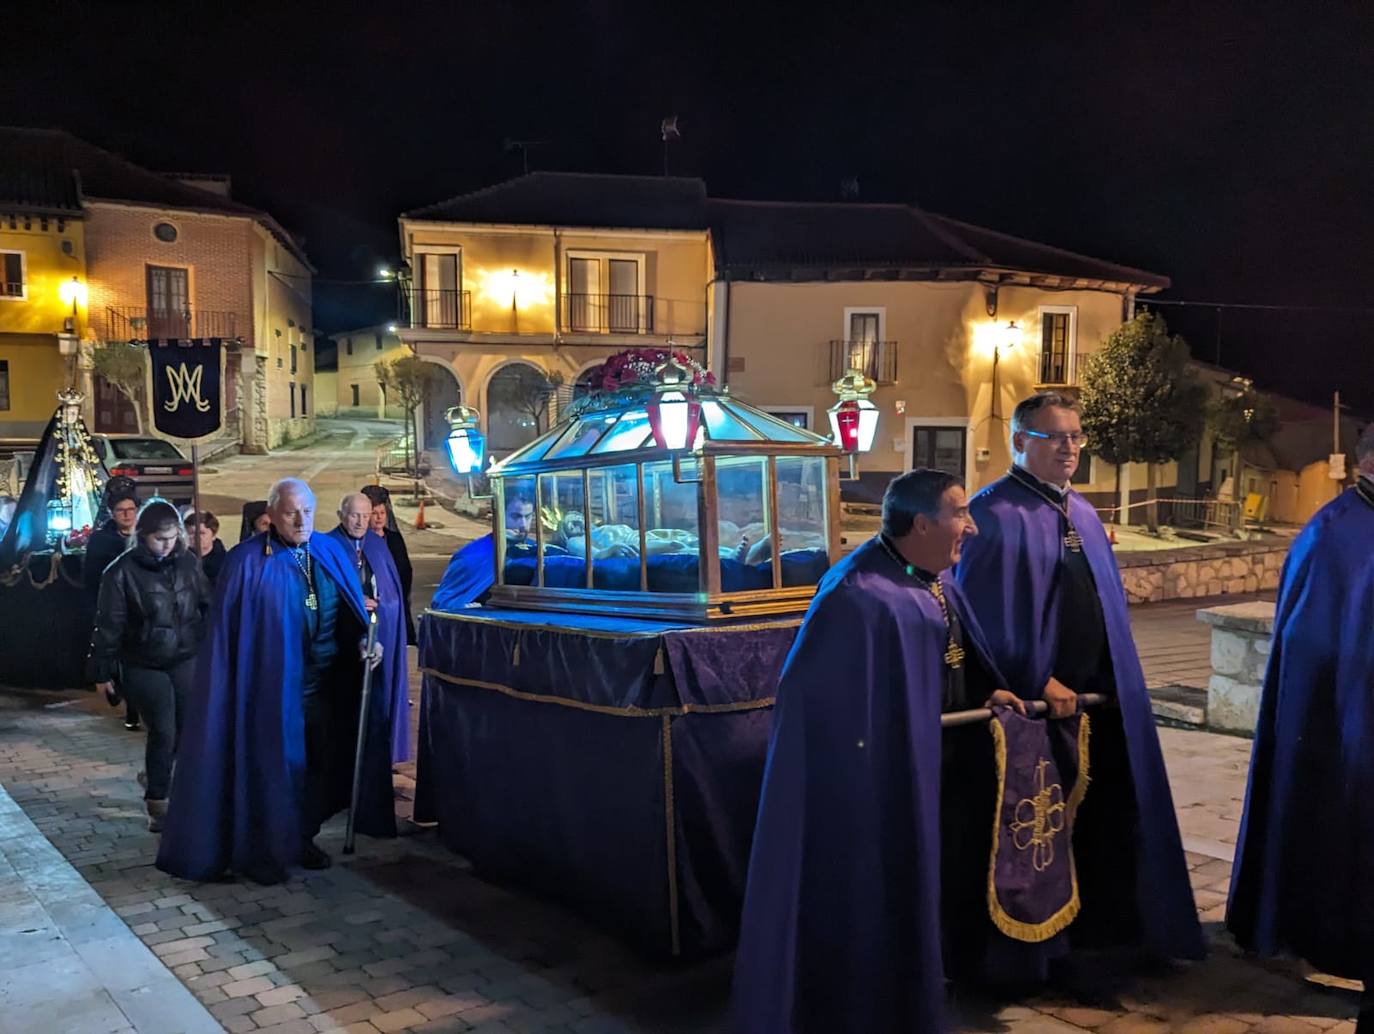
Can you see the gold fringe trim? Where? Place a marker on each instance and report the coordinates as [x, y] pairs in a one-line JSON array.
[[1016, 929], [617, 712], [670, 821], [658, 661], [593, 633], [515, 655]]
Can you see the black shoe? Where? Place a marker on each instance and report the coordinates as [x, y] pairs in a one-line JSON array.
[[113, 698], [314, 857], [132, 724]]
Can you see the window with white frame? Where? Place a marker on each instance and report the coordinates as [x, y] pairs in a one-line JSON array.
[[1058, 333], [864, 346], [439, 291], [12, 286], [605, 294]]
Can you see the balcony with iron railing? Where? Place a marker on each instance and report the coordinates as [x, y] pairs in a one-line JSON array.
[[608, 313], [875, 359], [127, 323], [1056, 368], [435, 308]]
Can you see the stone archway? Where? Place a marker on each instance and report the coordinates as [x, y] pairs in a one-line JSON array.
[[442, 390], [519, 406]]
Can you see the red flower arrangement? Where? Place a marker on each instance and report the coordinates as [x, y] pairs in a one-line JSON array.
[[636, 368]]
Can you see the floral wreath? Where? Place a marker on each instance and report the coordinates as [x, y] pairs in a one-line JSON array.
[[631, 375]]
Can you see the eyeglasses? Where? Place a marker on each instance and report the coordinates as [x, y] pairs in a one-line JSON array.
[[1074, 438]]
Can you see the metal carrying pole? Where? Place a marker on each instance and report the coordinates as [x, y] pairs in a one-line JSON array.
[[1033, 707], [362, 731]]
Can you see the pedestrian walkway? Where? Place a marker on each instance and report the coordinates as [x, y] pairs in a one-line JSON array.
[[404, 936]]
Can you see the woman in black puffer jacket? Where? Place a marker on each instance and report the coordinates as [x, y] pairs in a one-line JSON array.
[[150, 618]]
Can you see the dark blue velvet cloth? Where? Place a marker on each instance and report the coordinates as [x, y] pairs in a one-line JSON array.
[[557, 750], [390, 681], [841, 924], [1132, 873], [1301, 879], [237, 793]]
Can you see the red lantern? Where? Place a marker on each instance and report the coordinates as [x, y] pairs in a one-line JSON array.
[[673, 413]]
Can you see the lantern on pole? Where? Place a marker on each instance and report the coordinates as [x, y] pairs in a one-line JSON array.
[[854, 419], [674, 413], [466, 443]]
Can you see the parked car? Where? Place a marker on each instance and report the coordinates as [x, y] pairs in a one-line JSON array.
[[157, 466]]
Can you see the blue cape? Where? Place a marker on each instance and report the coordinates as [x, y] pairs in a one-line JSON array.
[[391, 681], [235, 796], [841, 920], [1301, 877], [470, 575], [1010, 573]]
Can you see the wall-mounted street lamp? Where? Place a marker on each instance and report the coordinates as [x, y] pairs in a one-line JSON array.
[[1004, 338], [72, 292]]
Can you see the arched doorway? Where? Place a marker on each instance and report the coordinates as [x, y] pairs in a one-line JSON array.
[[518, 406], [441, 391]]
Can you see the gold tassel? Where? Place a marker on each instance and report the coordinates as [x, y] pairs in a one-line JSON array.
[[515, 657], [658, 661]]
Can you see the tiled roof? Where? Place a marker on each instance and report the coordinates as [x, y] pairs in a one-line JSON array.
[[51, 170], [580, 199]]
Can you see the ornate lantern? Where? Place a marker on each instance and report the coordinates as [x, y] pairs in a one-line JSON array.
[[674, 412], [466, 444], [854, 419]]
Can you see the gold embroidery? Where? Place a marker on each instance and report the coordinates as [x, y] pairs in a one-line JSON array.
[[1039, 819]]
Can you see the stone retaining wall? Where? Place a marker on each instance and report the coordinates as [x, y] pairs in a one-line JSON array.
[[1223, 568], [1241, 639]]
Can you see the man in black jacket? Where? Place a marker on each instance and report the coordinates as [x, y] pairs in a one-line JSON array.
[[105, 546]]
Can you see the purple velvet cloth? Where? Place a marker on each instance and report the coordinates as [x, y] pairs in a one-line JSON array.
[[391, 681], [841, 925], [1132, 891], [554, 748], [1033, 871], [1300, 882]]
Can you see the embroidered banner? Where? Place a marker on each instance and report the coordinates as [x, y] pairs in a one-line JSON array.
[[186, 388], [1042, 775]]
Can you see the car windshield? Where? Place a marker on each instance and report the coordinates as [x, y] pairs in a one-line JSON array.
[[143, 449]]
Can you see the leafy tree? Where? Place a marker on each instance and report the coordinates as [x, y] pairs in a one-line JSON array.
[[1140, 402], [527, 391], [124, 367], [406, 377], [1241, 416]]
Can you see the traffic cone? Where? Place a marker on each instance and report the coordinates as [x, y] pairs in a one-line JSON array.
[[420, 516], [1111, 534]]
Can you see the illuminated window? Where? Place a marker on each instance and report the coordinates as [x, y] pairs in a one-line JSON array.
[[605, 294]]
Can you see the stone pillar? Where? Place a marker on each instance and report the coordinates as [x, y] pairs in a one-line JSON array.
[[253, 405], [1241, 637]]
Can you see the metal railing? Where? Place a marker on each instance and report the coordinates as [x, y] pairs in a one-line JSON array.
[[124, 323], [1220, 514], [608, 313], [435, 308], [876, 359], [1055, 366]]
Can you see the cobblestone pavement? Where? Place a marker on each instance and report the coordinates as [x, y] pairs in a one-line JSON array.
[[404, 937]]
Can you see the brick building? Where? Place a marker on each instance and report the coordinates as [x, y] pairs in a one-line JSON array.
[[174, 256]]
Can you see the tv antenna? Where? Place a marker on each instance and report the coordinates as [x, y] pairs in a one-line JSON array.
[[523, 146]]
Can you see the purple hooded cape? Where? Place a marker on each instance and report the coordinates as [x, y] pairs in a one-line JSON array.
[[235, 797], [1132, 889], [841, 922], [1301, 877], [391, 681]]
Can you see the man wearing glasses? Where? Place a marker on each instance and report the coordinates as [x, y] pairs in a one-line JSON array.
[[1043, 583]]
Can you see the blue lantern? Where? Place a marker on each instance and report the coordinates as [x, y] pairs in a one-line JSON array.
[[466, 444]]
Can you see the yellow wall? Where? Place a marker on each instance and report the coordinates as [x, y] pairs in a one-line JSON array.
[[46, 268], [782, 332], [36, 373], [675, 270], [281, 315], [360, 369]]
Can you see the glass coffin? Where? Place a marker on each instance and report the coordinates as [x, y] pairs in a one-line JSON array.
[[597, 515]]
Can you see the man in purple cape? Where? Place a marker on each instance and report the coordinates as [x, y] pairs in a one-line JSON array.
[[1301, 879], [381, 584], [841, 924], [1043, 581], [266, 752]]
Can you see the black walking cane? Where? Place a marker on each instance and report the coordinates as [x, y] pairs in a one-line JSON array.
[[1033, 707], [362, 725]]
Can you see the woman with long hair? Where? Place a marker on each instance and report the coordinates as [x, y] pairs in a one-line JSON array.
[[150, 617]]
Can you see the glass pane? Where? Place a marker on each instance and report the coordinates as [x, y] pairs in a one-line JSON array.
[[770, 426], [578, 440], [630, 432], [802, 519], [143, 449], [743, 523], [515, 497], [562, 517], [949, 450], [671, 538], [863, 327], [723, 426], [614, 510]]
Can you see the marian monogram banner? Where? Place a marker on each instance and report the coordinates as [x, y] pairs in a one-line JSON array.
[[186, 388]]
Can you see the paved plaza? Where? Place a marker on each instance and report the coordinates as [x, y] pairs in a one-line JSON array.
[[403, 936]]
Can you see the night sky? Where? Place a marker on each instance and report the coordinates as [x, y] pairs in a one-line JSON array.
[[1225, 147]]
